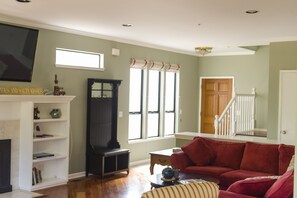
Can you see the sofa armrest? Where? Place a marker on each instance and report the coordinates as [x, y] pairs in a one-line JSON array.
[[179, 160]]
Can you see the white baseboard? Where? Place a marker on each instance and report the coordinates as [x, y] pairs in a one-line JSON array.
[[83, 174], [77, 175], [257, 129]]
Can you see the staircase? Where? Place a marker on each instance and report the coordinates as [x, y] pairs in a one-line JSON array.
[[238, 116]]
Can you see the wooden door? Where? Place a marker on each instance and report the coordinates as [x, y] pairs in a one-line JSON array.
[[216, 93], [288, 105]]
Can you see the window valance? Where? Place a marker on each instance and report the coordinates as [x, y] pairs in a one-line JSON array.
[[153, 65]]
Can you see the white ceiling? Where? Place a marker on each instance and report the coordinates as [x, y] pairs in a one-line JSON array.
[[175, 25]]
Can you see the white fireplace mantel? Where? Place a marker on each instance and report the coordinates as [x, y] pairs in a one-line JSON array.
[[17, 124]]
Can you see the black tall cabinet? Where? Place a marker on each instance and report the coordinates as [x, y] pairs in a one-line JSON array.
[[103, 153]]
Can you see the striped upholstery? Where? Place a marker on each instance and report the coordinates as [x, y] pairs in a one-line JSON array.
[[191, 190]]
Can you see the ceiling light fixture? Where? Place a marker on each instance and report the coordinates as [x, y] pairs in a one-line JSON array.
[[203, 50], [23, 1], [251, 11], [127, 25]]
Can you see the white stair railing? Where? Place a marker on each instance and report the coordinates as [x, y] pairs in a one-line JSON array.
[[238, 116]]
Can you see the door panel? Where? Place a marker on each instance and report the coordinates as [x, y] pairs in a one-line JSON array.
[[288, 98], [216, 93]]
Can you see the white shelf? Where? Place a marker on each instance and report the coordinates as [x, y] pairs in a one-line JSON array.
[[49, 182], [50, 158], [48, 138], [55, 167], [49, 120]]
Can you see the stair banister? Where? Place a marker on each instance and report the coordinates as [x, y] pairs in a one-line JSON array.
[[238, 116]]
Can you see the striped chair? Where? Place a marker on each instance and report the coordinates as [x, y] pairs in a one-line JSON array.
[[191, 190]]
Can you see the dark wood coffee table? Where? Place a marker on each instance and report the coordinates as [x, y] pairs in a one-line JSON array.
[[157, 182]]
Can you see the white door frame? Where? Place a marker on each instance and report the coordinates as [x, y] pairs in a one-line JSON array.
[[200, 92], [280, 101]]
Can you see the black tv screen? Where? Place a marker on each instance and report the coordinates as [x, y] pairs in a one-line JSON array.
[[17, 52]]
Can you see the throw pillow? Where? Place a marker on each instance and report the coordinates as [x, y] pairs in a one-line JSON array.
[[261, 158], [196, 189], [283, 187], [199, 152], [285, 155], [291, 164], [255, 187]]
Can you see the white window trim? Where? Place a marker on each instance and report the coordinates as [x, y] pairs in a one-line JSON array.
[[162, 135], [101, 60]]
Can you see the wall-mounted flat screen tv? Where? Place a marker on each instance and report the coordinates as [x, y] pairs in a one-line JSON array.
[[17, 52]]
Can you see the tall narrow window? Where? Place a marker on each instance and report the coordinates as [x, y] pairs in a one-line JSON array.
[[135, 103], [153, 104], [170, 92]]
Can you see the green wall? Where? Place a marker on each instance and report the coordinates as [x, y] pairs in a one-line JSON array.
[[283, 56], [249, 71], [74, 82], [260, 71]]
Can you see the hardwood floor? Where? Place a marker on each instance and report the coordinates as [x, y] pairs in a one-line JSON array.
[[119, 185]]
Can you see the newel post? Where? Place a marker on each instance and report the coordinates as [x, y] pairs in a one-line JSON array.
[[216, 124]]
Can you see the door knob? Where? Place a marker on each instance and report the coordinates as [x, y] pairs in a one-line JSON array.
[[284, 132]]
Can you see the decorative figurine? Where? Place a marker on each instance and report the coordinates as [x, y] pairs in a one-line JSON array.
[[58, 90], [36, 112]]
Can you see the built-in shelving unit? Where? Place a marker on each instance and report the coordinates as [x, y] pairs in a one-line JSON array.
[[43, 135]]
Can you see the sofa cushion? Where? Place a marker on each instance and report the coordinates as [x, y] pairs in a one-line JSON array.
[[285, 155], [256, 187], [228, 178], [213, 171], [228, 154], [261, 158], [227, 194], [196, 189], [199, 152], [283, 187]]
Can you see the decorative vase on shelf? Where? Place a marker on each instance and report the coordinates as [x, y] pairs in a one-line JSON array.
[[56, 113]]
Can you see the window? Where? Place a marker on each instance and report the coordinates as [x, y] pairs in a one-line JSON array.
[[152, 103], [79, 59], [135, 103], [170, 92]]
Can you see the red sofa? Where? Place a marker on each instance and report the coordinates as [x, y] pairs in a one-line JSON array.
[[232, 161]]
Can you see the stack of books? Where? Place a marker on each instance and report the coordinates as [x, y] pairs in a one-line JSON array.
[[36, 176]]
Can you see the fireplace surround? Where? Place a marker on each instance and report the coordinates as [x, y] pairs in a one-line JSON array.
[[5, 159]]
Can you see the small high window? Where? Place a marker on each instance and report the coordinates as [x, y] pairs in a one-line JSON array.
[[79, 59]]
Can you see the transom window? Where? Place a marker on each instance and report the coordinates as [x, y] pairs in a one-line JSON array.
[[79, 59]]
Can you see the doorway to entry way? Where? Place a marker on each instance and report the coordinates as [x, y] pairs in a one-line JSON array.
[[215, 94]]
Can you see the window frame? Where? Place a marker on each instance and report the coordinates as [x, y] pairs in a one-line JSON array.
[[158, 111], [141, 107], [71, 66], [174, 104], [161, 105]]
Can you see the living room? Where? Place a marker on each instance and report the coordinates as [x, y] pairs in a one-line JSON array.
[[260, 71]]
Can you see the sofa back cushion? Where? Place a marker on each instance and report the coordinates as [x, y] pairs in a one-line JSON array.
[[283, 187], [199, 152], [195, 189], [285, 155], [228, 154], [261, 158]]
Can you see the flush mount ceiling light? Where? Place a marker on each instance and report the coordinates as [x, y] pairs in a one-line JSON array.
[[251, 11], [127, 25], [23, 1], [203, 50]]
